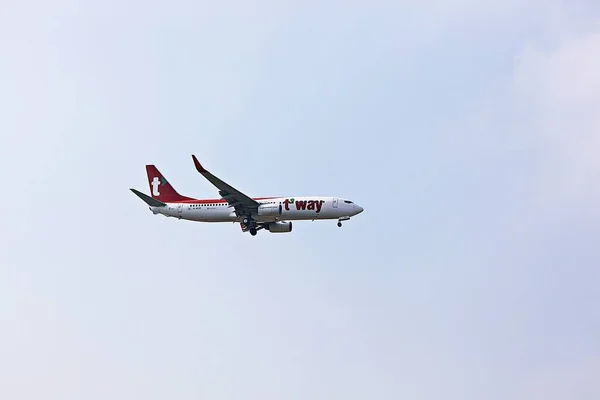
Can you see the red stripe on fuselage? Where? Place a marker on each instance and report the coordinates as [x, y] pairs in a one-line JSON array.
[[206, 201]]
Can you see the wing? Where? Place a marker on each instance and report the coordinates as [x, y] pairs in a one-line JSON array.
[[243, 204]]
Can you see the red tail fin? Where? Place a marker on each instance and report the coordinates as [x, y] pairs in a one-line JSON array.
[[160, 188]]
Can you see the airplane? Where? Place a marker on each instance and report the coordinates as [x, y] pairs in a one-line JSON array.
[[274, 214]]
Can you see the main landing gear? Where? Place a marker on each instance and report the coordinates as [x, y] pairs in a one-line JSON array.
[[254, 229], [339, 224], [251, 224]]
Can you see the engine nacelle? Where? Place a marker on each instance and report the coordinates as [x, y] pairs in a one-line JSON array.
[[269, 210], [280, 227]]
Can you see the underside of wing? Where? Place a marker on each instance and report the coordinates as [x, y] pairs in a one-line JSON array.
[[242, 203]]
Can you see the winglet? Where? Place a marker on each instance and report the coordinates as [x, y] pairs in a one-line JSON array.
[[199, 166]]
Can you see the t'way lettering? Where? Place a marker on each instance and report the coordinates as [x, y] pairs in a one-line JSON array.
[[301, 205]]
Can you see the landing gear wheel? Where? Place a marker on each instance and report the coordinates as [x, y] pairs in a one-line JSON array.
[[253, 231], [245, 221], [339, 224]]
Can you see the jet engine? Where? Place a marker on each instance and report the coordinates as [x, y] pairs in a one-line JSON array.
[[280, 227], [269, 210]]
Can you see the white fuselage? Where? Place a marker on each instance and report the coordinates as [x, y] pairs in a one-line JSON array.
[[270, 210]]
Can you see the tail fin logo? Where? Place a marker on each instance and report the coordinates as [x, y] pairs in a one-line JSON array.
[[156, 182]]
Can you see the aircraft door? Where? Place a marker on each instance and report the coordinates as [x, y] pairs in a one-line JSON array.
[[179, 210], [335, 203]]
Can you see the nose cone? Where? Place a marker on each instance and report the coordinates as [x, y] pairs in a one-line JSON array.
[[358, 209]]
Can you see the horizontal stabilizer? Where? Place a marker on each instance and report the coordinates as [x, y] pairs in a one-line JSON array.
[[149, 200]]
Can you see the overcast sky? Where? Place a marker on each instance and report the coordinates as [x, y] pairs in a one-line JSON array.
[[468, 130]]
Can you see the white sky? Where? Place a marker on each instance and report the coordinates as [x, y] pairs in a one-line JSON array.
[[468, 130]]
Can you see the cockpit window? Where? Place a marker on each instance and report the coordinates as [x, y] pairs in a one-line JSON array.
[[347, 201]]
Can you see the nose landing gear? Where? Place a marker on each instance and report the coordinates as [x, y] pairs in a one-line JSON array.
[[339, 224]]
